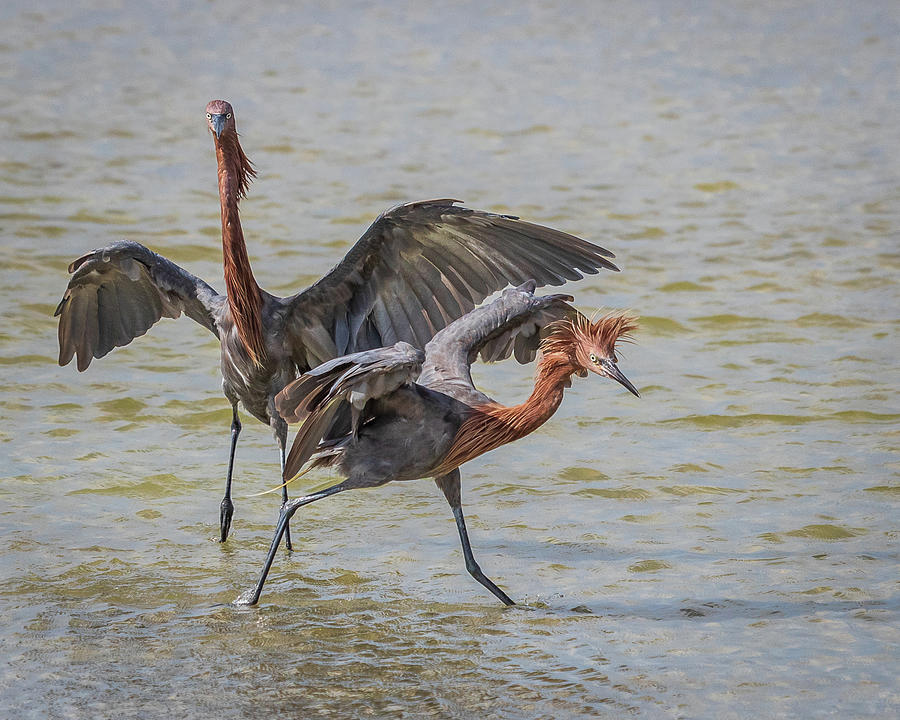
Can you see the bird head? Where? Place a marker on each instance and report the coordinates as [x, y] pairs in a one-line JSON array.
[[591, 346], [220, 117]]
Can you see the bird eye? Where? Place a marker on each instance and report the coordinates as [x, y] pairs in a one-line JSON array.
[[209, 116], [228, 115], [595, 359]]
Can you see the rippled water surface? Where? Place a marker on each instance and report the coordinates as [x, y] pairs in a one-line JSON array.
[[724, 547]]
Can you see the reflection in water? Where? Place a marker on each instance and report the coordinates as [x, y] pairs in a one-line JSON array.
[[723, 546]]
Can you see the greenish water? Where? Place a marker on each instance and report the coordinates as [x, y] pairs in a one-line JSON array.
[[724, 547]]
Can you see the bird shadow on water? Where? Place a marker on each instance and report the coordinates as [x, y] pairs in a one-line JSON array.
[[716, 609]]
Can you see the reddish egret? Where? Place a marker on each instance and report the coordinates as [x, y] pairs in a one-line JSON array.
[[418, 267], [403, 430]]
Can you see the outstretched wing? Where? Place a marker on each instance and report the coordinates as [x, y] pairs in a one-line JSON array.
[[419, 267], [116, 293], [513, 323], [315, 397]]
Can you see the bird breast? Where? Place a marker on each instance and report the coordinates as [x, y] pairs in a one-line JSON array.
[[242, 378]]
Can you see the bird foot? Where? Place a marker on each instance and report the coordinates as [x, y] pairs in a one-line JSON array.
[[226, 510], [246, 598]]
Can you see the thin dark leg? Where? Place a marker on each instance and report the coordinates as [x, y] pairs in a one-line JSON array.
[[449, 483], [471, 565], [251, 597], [284, 495], [226, 509]]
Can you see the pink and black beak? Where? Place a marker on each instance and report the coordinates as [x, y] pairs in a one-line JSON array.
[[612, 371]]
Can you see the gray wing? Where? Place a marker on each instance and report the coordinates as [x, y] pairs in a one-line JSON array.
[[512, 324], [358, 377], [116, 293], [419, 267], [315, 397]]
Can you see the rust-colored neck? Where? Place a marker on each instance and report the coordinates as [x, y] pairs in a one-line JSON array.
[[492, 425], [244, 295]]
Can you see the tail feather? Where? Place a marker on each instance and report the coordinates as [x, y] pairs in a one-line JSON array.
[[308, 437], [298, 399]]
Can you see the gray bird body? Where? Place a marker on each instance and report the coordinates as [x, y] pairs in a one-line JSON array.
[[418, 413], [407, 426], [409, 429]]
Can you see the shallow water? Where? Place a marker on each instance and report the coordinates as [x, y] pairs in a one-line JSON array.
[[724, 547]]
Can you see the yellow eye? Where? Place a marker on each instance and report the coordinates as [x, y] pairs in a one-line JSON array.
[[595, 359], [208, 116], [228, 115]]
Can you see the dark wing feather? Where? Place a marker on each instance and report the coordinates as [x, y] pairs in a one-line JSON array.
[[513, 323], [419, 267], [369, 373], [315, 397], [116, 293]]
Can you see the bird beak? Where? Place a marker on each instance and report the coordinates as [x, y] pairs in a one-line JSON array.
[[612, 371], [217, 123]]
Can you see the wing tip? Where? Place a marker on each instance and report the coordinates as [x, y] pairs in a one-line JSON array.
[[66, 353], [83, 362], [602, 264]]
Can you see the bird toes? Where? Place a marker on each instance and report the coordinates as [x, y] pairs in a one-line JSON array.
[[226, 511]]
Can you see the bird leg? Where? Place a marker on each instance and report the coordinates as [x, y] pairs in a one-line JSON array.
[[282, 440], [226, 509], [450, 486], [251, 597]]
